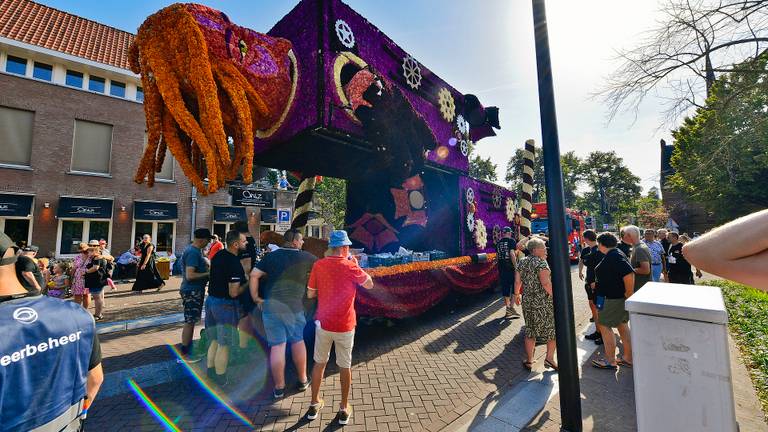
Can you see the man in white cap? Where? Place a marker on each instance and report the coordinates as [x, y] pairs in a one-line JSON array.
[[334, 281]]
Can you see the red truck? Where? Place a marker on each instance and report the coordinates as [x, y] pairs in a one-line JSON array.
[[576, 221]]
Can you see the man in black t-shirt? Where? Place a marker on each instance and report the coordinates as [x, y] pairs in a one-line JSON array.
[[285, 272], [247, 257], [590, 257], [614, 283], [625, 248], [505, 255], [222, 308], [28, 271]]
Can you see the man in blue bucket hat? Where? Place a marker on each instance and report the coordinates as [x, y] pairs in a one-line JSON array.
[[334, 281]]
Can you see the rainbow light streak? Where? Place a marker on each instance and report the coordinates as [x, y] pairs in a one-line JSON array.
[[211, 391], [152, 407]]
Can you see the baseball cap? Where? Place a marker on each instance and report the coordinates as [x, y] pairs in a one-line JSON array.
[[30, 248], [5, 244], [507, 229], [203, 233], [339, 238]]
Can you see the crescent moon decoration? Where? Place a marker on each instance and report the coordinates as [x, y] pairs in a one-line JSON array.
[[294, 85], [342, 60]]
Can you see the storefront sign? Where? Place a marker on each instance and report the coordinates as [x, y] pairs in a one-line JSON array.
[[229, 214], [252, 197], [143, 210], [15, 205], [84, 208], [269, 216]]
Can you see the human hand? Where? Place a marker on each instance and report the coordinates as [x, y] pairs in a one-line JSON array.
[[581, 275], [699, 274], [143, 266], [518, 299]]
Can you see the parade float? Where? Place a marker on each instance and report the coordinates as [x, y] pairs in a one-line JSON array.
[[326, 93]]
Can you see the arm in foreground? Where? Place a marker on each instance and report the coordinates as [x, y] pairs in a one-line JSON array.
[[737, 250]]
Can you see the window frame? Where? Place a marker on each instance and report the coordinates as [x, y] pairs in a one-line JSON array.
[[86, 232], [118, 84], [72, 152], [103, 81], [35, 68], [139, 90], [8, 61], [154, 233], [82, 79], [28, 166]]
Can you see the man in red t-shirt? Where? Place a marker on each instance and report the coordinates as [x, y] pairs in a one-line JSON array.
[[334, 281], [216, 245]]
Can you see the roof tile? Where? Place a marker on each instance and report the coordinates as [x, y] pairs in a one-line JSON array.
[[44, 26]]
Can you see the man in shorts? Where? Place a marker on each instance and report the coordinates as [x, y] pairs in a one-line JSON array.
[[505, 254], [590, 258], [281, 295], [222, 309], [247, 256], [194, 277], [334, 281]]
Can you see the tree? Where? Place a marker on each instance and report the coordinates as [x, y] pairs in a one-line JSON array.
[[650, 211], [613, 189], [682, 55], [479, 168], [331, 200], [514, 175], [572, 176], [721, 153]]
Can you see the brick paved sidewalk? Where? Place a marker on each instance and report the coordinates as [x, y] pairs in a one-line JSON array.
[[123, 304], [420, 374]]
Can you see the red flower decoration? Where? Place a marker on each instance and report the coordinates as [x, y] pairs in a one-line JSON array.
[[373, 231], [410, 202]]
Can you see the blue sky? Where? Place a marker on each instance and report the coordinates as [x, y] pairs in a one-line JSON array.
[[486, 48]]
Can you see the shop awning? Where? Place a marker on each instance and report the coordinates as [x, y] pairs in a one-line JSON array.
[[229, 214], [15, 205], [84, 208], [147, 210], [268, 216]]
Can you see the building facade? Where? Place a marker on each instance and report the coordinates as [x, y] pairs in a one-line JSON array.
[[72, 132]]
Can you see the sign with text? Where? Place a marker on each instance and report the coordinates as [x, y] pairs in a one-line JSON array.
[[252, 197], [85, 208], [283, 219], [144, 210], [15, 205]]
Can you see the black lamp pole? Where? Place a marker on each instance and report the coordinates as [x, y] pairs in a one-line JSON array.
[[570, 395]]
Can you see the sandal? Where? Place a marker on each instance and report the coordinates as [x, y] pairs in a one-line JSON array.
[[528, 365], [624, 363], [603, 364], [551, 365], [98, 317]]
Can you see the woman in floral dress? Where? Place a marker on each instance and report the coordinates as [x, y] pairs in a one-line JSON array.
[[536, 299], [78, 276]]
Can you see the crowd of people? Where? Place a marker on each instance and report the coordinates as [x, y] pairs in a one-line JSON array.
[[616, 267], [240, 291]]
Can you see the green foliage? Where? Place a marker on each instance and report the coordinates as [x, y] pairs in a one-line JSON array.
[[514, 175], [479, 168], [613, 190], [721, 153], [331, 200], [748, 321], [651, 212]]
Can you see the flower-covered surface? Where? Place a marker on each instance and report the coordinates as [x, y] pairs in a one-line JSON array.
[[409, 289], [485, 209], [481, 234]]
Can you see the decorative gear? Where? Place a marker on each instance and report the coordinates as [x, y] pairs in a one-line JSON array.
[[496, 233], [481, 234], [511, 209], [471, 222], [412, 72], [447, 105], [497, 198], [464, 147], [470, 195], [462, 124], [344, 33]]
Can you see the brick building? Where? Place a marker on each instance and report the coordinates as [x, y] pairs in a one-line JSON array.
[[690, 216], [72, 131]]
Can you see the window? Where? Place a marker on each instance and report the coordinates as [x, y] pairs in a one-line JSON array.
[[16, 229], [43, 71], [166, 173], [75, 231], [15, 136], [162, 234], [74, 79], [117, 89], [92, 147], [139, 94], [96, 84], [16, 65]]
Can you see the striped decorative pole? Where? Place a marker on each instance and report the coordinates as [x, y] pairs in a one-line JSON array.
[[525, 199], [303, 206]]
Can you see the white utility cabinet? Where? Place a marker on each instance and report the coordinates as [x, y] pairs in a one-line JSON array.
[[682, 370]]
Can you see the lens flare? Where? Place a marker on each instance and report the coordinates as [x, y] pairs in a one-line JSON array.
[[211, 391], [153, 408], [442, 152]]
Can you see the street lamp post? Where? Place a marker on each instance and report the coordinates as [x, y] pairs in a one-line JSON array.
[[570, 395]]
